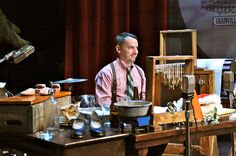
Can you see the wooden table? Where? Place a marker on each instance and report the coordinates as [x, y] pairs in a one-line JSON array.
[[142, 142], [114, 143], [63, 145]]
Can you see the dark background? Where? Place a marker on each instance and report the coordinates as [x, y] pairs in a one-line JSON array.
[[179, 43], [43, 24], [76, 38], [60, 31]]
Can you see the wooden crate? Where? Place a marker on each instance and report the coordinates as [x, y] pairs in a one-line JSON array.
[[167, 118], [25, 114], [155, 90], [204, 81], [163, 38], [21, 118], [157, 93]]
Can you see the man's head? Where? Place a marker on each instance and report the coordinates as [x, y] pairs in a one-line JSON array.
[[127, 47]]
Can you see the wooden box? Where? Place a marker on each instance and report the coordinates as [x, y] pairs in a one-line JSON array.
[[167, 118], [25, 114], [164, 36], [157, 92], [204, 81]]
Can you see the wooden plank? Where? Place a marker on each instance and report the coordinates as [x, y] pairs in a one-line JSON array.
[[194, 46], [178, 31], [172, 58], [189, 67], [173, 135], [166, 118], [162, 46], [150, 74], [30, 100]]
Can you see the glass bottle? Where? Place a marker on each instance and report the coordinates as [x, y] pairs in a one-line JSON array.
[[114, 113], [136, 95], [51, 114]]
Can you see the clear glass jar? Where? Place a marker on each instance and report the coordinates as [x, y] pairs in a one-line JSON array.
[[51, 115]]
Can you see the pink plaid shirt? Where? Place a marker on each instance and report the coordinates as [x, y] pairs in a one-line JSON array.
[[104, 80]]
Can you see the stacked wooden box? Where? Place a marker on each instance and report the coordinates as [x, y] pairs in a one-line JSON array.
[[25, 114]]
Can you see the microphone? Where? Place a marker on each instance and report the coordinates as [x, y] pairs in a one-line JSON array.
[[188, 86], [21, 54], [228, 85], [228, 81]]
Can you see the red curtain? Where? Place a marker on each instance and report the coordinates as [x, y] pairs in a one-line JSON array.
[[91, 27]]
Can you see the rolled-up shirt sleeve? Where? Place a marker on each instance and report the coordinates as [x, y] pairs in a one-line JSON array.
[[103, 82]]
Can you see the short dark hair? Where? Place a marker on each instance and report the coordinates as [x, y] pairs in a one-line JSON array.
[[122, 36]]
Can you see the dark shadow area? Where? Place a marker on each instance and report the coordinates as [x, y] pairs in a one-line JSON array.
[[43, 24]]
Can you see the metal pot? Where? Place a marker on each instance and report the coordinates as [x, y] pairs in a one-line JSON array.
[[133, 108]]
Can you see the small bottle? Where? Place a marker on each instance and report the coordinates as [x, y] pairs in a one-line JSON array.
[[136, 95], [114, 113], [51, 114]]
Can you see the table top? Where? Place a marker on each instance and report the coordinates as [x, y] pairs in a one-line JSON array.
[[62, 141], [62, 144], [30, 100], [62, 138], [174, 134]]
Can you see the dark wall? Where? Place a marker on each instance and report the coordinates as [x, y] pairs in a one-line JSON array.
[[42, 22]]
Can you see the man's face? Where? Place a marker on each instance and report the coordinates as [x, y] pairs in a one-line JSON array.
[[128, 50]]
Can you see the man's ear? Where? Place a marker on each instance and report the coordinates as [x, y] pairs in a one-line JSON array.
[[118, 49]]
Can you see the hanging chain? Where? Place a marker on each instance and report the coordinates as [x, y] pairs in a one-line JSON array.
[[171, 74]]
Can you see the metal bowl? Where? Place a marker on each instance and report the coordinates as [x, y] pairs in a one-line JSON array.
[[133, 108], [86, 101]]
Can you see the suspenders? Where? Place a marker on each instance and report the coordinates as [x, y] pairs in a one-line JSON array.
[[114, 82]]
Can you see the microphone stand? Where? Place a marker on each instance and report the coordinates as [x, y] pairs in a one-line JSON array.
[[231, 99], [7, 57], [188, 99]]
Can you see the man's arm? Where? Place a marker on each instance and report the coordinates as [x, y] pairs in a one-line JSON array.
[[143, 83], [103, 82]]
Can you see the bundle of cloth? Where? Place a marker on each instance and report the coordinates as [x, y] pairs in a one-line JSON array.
[[209, 102]]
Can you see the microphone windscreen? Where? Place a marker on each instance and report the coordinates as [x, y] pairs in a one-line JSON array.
[[22, 53], [188, 84], [228, 80]]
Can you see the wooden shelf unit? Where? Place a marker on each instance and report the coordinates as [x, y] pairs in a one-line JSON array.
[[163, 37]]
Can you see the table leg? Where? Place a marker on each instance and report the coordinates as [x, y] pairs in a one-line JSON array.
[[232, 144], [143, 152]]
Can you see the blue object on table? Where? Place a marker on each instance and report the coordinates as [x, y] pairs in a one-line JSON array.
[[143, 121]]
